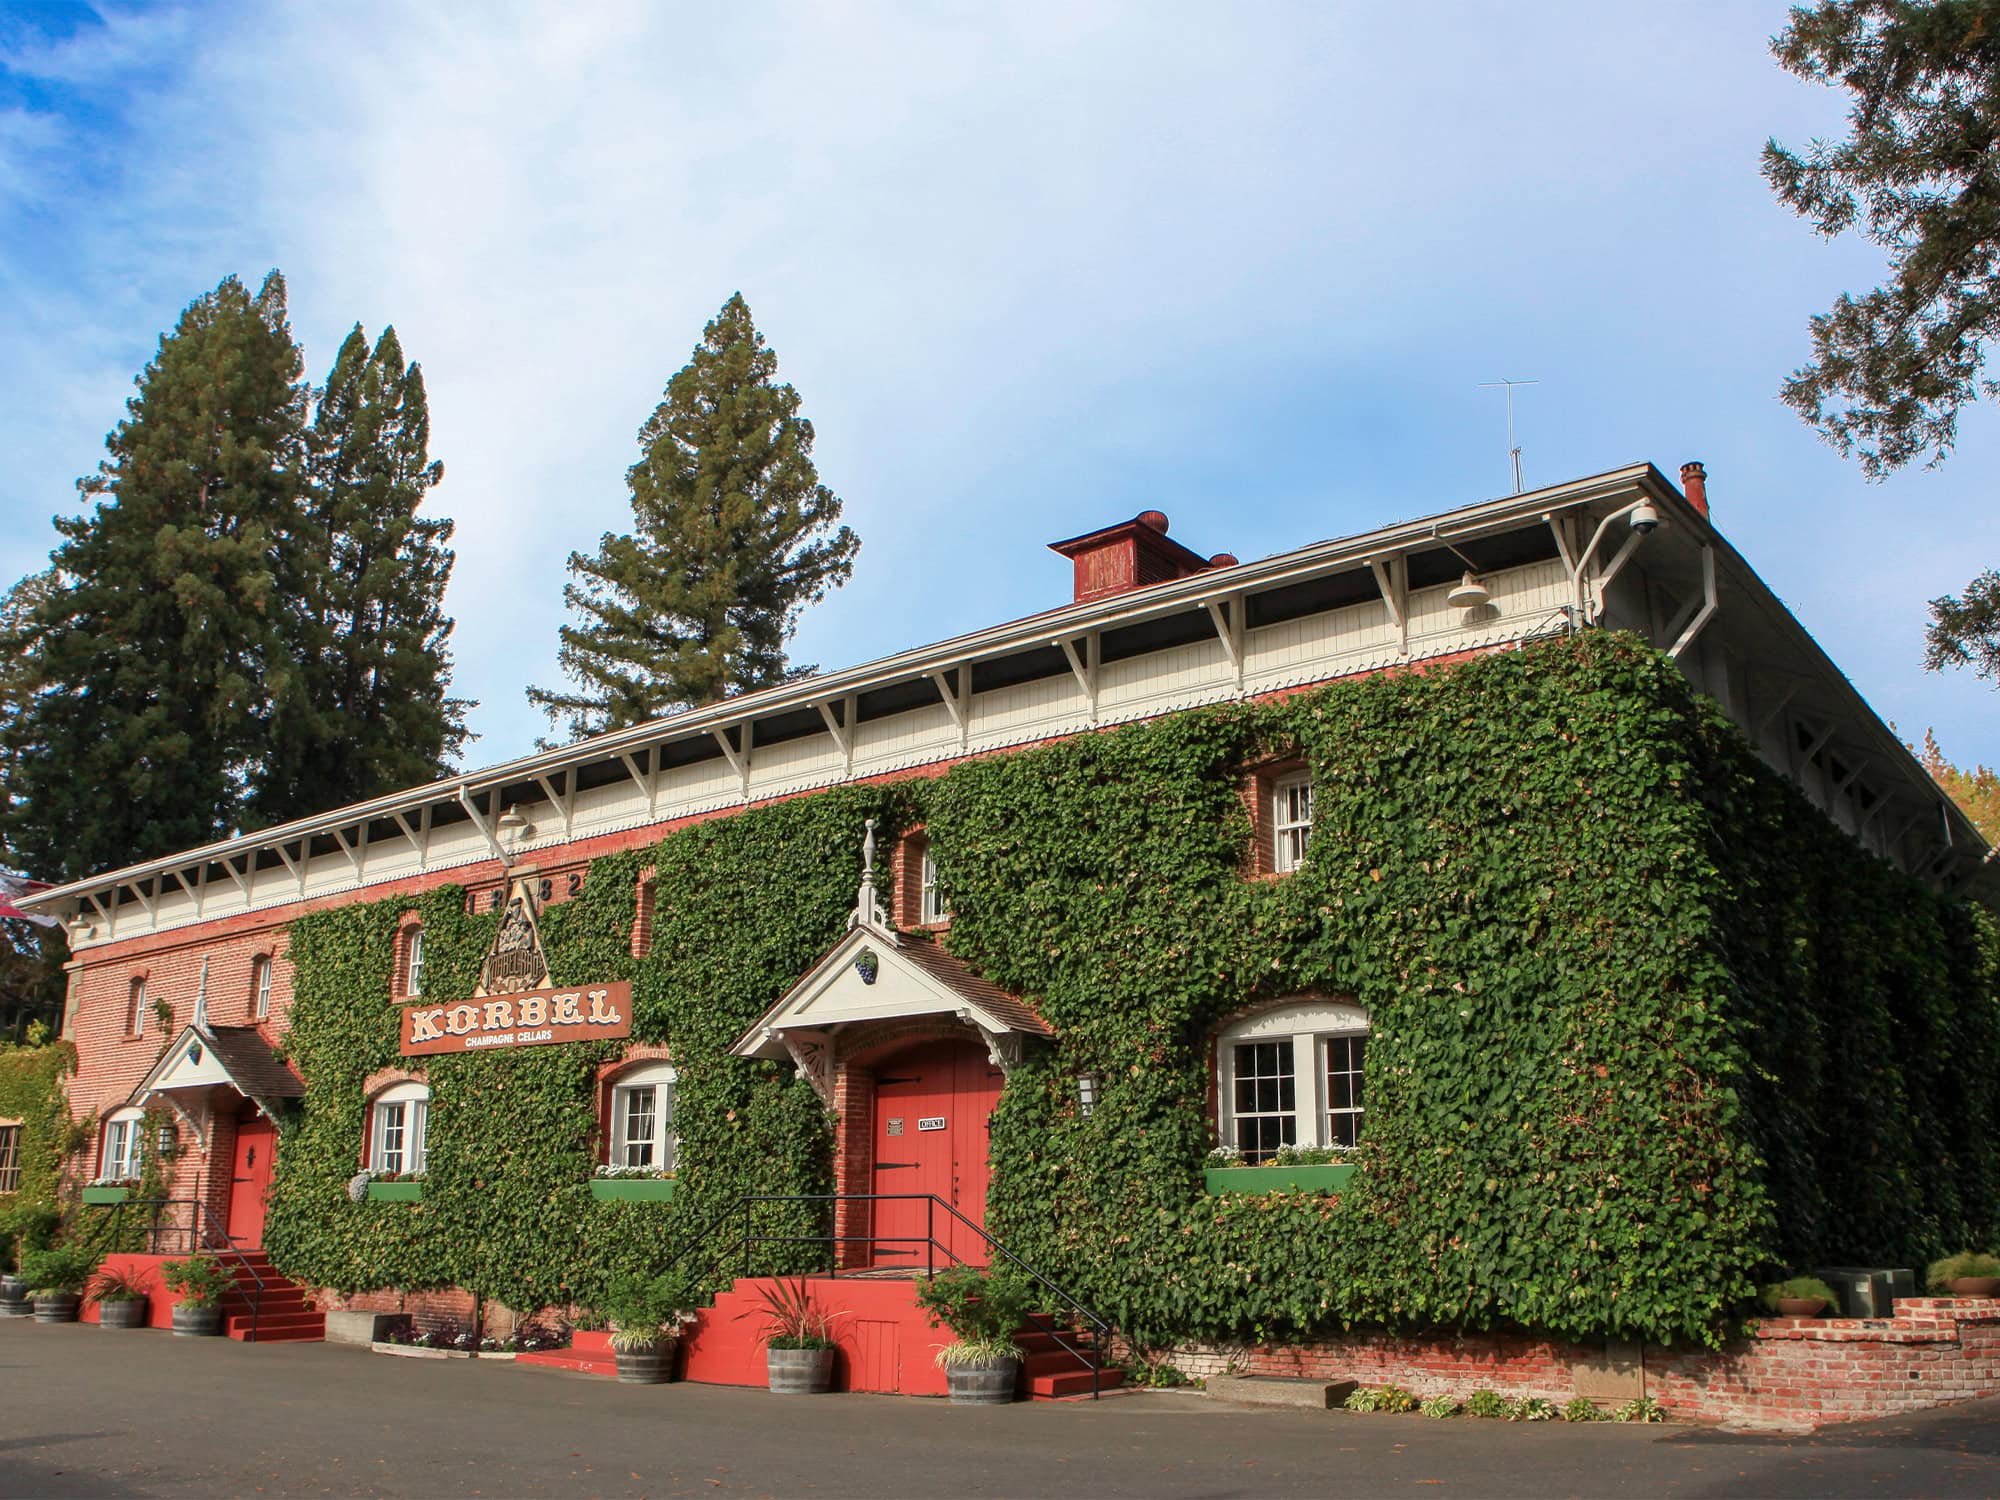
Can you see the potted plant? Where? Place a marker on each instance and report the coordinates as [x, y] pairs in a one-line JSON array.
[[56, 1279], [200, 1283], [646, 1316], [984, 1309], [120, 1296], [1967, 1274], [1801, 1297], [25, 1225], [798, 1340]]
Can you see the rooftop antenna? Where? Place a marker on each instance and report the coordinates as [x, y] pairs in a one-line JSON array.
[[1513, 448]]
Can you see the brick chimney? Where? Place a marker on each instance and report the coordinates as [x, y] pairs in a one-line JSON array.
[[1694, 484], [1131, 555]]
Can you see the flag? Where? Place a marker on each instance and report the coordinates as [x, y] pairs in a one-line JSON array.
[[12, 888]]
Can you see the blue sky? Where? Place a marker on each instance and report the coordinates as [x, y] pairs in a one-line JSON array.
[[1032, 267]]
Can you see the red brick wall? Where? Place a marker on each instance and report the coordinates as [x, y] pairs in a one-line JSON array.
[[1794, 1372]]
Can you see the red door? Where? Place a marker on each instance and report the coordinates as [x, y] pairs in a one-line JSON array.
[[933, 1109], [250, 1180]]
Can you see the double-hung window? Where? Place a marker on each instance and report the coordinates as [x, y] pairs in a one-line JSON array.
[[1291, 821], [10, 1158], [260, 987], [398, 1124], [135, 1009], [930, 901], [124, 1146], [414, 985], [1292, 1076], [642, 1118]]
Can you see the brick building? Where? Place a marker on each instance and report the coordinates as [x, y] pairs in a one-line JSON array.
[[182, 986]]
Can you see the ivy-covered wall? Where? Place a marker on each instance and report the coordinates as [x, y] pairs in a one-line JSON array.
[[1645, 1027], [32, 1091]]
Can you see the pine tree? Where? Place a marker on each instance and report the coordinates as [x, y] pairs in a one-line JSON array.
[[364, 592], [1919, 175], [155, 649], [735, 535]]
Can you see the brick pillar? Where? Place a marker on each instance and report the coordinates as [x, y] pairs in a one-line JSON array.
[[853, 1160], [219, 1169]]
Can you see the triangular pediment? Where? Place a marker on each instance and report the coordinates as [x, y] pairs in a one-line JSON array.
[[191, 1062], [873, 975]]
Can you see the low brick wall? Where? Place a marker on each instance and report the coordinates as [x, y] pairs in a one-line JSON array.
[[1791, 1372]]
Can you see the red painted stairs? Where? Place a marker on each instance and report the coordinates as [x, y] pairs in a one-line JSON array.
[[282, 1314], [1050, 1372]]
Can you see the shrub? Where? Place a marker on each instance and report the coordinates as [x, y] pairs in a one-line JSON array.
[[792, 1319], [63, 1270], [1640, 1409], [1395, 1399], [199, 1281], [1486, 1404], [1582, 1409], [126, 1284], [1531, 1409], [1798, 1286], [1363, 1398], [1954, 1267], [645, 1311], [29, 1225], [977, 1306], [1440, 1407], [1156, 1374]]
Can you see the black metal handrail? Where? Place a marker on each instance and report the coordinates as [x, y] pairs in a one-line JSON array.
[[202, 1234], [1092, 1358]]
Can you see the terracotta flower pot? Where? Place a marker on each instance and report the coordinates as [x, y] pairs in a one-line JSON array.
[[1801, 1307], [799, 1372], [1975, 1286], [129, 1312]]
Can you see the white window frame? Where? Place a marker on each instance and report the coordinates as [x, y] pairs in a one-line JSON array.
[[663, 1145], [260, 987], [1306, 1026], [1291, 821], [413, 978], [400, 1113], [930, 906], [135, 1008], [10, 1157], [124, 1146]]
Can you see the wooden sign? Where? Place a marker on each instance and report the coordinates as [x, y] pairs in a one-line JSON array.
[[515, 962], [533, 1018]]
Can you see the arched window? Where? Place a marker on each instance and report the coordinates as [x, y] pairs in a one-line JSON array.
[[260, 986], [1292, 1076], [414, 968], [124, 1155], [397, 1125], [642, 1117]]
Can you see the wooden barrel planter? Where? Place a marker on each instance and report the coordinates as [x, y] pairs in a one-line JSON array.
[[14, 1298], [650, 1365], [129, 1312], [197, 1322], [988, 1382], [60, 1308], [799, 1372]]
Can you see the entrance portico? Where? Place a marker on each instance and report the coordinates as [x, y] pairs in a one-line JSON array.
[[909, 1048]]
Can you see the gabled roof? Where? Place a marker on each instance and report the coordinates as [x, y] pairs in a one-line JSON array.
[[209, 1056], [910, 978]]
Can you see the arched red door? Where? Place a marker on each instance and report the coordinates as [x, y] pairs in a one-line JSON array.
[[933, 1114]]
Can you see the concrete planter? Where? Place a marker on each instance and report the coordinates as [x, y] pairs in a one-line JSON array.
[[359, 1327], [632, 1189], [61, 1308], [799, 1372], [1329, 1178], [653, 1365], [989, 1382], [129, 1312], [197, 1322]]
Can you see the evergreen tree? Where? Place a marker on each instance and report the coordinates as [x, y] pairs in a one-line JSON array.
[[1919, 174], [365, 594], [1977, 792], [153, 651], [735, 535]]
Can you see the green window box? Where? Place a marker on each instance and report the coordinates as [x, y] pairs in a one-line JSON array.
[[632, 1189], [1329, 1178], [106, 1194], [395, 1192]]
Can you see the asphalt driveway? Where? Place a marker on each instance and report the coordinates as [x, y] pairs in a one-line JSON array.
[[91, 1412]]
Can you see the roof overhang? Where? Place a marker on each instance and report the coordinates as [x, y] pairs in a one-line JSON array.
[[193, 1062]]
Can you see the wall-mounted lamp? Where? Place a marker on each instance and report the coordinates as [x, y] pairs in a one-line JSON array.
[[1086, 1094], [514, 828], [168, 1141], [80, 930], [1470, 593]]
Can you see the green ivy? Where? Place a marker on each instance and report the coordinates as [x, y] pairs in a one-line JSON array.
[[33, 1090], [1645, 1027]]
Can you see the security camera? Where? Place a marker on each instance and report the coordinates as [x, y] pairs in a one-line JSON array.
[[1645, 519]]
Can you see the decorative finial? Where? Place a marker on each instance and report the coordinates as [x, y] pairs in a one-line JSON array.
[[868, 853], [866, 914]]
